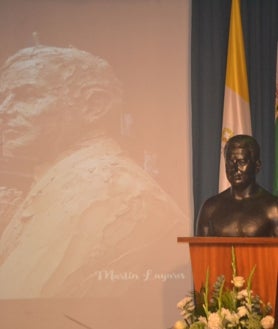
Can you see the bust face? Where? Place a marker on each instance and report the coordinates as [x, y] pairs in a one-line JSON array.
[[241, 168]]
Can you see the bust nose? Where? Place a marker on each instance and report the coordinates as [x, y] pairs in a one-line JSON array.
[[234, 164]]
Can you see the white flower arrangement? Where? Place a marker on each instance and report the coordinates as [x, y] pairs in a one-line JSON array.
[[225, 308]]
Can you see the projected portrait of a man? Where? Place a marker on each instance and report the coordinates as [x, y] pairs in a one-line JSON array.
[[73, 204]]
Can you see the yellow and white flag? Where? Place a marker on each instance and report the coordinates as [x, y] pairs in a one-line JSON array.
[[236, 112]]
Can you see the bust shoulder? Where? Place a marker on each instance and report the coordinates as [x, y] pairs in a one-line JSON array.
[[218, 199]]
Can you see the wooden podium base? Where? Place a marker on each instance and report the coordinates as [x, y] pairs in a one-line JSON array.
[[215, 254]]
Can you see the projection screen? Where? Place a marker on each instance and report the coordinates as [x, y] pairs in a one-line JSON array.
[[95, 176]]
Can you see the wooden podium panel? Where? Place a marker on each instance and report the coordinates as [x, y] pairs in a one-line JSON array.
[[215, 253]]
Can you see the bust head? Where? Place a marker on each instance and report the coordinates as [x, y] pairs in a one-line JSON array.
[[246, 142], [242, 160]]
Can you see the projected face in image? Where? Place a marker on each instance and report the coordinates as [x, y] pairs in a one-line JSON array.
[[43, 86], [20, 133], [90, 211]]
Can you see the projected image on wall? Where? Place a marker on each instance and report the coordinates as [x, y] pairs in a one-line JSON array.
[[93, 177], [86, 211]]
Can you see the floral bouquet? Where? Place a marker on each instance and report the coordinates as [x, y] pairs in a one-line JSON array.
[[225, 308]]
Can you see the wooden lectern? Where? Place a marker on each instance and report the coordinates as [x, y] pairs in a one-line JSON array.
[[215, 253]]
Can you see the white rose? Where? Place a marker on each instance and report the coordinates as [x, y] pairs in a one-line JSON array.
[[242, 311], [243, 294], [184, 301], [179, 325], [267, 322], [229, 316], [238, 281], [214, 321], [203, 319]]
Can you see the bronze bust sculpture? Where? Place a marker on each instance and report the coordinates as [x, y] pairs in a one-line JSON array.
[[245, 208]]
